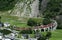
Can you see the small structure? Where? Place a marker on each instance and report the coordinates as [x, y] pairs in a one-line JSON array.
[[6, 39], [1, 36], [6, 24], [12, 36]]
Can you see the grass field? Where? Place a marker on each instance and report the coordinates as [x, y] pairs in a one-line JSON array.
[[13, 20], [18, 21], [56, 35]]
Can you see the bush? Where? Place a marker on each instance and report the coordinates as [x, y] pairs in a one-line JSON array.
[[46, 21], [59, 24], [48, 35], [44, 37], [7, 4], [5, 32], [26, 31], [31, 22], [54, 5], [34, 22]]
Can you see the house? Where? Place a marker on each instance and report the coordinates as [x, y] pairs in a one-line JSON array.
[[11, 36], [6, 39], [1, 37], [6, 24]]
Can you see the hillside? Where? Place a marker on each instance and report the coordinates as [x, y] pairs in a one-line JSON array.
[[29, 8], [21, 8], [39, 19]]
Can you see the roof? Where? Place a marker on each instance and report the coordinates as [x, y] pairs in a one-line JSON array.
[[0, 37], [7, 39]]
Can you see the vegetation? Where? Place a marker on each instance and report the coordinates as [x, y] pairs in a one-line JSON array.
[[52, 10], [53, 7], [26, 31], [48, 35], [56, 35], [13, 20], [59, 24], [41, 38], [45, 36], [50, 15], [34, 22], [5, 32], [7, 4], [46, 21]]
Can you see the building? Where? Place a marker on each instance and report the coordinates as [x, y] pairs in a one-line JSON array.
[[6, 24]]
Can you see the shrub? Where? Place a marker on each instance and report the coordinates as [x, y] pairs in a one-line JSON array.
[[59, 24], [48, 35], [26, 31], [7, 4], [46, 21], [34, 22], [31, 22], [5, 32], [42, 38], [54, 5]]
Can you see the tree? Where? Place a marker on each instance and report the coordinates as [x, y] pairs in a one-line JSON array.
[[7, 4], [52, 9], [48, 35], [26, 31], [44, 37], [46, 21], [34, 22], [31, 22], [5, 32], [54, 5]]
